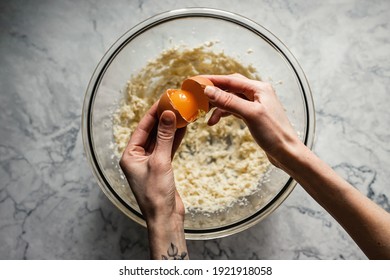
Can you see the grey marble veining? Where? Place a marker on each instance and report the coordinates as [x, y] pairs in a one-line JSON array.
[[50, 204]]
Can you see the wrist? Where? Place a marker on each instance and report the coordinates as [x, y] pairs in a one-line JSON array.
[[174, 221], [167, 238], [288, 153]]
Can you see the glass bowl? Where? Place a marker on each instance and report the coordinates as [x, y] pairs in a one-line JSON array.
[[237, 37]]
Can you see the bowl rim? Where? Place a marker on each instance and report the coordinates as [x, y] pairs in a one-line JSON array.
[[116, 47]]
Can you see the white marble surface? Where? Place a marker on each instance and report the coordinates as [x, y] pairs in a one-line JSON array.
[[50, 204]]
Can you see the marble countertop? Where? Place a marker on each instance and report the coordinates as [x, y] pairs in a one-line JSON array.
[[50, 204]]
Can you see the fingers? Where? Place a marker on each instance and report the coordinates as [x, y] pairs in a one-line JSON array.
[[165, 136], [139, 139], [227, 102], [236, 83], [216, 116], [179, 135]]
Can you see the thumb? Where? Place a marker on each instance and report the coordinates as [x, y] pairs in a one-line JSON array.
[[227, 101], [165, 135]]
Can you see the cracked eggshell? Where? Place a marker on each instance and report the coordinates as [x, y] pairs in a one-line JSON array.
[[188, 103], [196, 86], [164, 104]]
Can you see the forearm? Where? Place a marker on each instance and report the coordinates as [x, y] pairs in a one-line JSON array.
[[365, 222], [167, 239]]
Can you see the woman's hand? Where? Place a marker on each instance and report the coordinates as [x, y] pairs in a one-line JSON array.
[[147, 165], [257, 104]]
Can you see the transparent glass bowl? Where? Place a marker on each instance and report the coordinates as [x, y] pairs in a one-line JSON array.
[[238, 37]]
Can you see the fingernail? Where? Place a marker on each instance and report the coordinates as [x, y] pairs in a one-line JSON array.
[[167, 119], [210, 92]]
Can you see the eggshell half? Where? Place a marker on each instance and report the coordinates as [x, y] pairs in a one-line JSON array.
[[166, 104], [188, 102], [196, 86]]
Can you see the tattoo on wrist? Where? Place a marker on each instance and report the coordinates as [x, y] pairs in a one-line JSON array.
[[173, 253]]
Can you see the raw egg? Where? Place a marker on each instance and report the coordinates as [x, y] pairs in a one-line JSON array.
[[188, 103]]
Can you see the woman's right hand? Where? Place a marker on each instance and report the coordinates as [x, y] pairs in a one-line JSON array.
[[257, 104]]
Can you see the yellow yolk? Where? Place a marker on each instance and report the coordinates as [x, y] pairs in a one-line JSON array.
[[185, 102], [188, 103]]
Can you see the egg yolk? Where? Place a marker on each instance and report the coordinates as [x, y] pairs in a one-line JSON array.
[[185, 102], [188, 103], [196, 85]]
